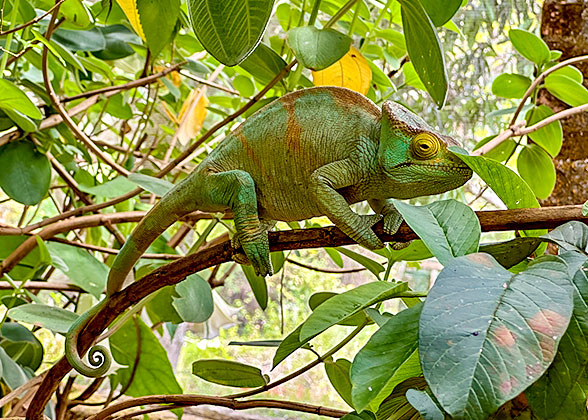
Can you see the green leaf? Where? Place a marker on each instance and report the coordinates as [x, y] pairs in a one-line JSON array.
[[118, 108], [263, 64], [411, 77], [194, 303], [153, 374], [90, 40], [424, 49], [529, 46], [229, 373], [378, 76], [415, 251], [28, 265], [21, 345], [424, 404], [25, 123], [12, 374], [346, 304], [258, 285], [335, 256], [365, 415], [338, 374], [12, 97], [441, 11], [25, 174], [536, 168], [585, 209], [571, 236], [566, 89], [509, 85], [117, 38], [571, 72], [244, 85], [495, 332], [54, 319], [375, 267], [289, 345], [375, 372], [448, 228], [158, 19], [110, 189], [319, 298], [508, 186], [561, 393], [161, 309], [317, 49], [229, 30], [501, 152], [149, 183], [549, 137], [81, 267], [510, 253], [277, 258]]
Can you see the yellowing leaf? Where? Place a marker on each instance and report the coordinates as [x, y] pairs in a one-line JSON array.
[[170, 113], [174, 76], [193, 112], [130, 9], [351, 71]]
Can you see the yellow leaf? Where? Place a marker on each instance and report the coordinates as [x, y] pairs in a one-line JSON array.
[[130, 9], [170, 114], [194, 113], [351, 71]]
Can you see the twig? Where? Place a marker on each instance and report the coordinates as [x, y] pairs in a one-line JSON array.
[[208, 83], [187, 400], [33, 21], [324, 270]]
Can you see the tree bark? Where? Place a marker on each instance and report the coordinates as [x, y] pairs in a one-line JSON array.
[[564, 27]]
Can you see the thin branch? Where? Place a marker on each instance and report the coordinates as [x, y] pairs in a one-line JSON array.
[[188, 400], [174, 272], [40, 285], [208, 83], [324, 270], [521, 130], [32, 22]]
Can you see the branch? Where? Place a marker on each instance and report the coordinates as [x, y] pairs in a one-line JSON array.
[[187, 400], [174, 272]]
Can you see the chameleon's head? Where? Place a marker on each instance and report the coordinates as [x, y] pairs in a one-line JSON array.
[[413, 154]]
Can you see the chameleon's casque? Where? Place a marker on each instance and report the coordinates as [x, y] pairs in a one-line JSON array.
[[310, 153]]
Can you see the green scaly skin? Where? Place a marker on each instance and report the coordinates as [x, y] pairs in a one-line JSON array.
[[310, 153]]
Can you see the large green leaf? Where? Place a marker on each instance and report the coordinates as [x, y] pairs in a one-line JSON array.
[[567, 89], [529, 46], [12, 97], [50, 317], [25, 174], [448, 228], [549, 137], [90, 40], [158, 19], [536, 168], [117, 38], [258, 285], [561, 393], [375, 371], [508, 186], [424, 49], [194, 303], [508, 85], [375, 267], [346, 304], [263, 63], [424, 404], [229, 373], [160, 308], [28, 265], [441, 11], [510, 253], [231, 29], [485, 334], [110, 189], [149, 183], [153, 373], [12, 374], [82, 268], [572, 236], [317, 49]]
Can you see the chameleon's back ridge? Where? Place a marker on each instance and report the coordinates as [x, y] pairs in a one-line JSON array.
[[309, 153]]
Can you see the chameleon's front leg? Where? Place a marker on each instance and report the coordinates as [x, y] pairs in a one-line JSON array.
[[324, 183], [236, 189], [392, 218]]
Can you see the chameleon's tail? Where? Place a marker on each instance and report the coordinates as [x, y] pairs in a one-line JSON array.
[[175, 204], [179, 201]]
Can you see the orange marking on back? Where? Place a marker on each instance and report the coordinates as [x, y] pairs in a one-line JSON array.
[[249, 150]]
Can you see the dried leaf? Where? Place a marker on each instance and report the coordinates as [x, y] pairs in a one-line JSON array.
[[352, 71], [194, 114]]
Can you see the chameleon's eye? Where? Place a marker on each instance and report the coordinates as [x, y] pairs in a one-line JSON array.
[[424, 146]]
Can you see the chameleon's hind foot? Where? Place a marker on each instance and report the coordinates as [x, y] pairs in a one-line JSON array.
[[255, 253]]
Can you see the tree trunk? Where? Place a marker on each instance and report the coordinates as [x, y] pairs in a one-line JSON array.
[[564, 27]]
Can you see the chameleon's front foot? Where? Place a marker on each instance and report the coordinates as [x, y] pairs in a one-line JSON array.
[[256, 253], [364, 235]]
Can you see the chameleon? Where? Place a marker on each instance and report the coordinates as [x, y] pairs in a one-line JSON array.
[[312, 152]]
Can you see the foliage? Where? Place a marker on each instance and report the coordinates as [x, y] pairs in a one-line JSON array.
[[151, 86]]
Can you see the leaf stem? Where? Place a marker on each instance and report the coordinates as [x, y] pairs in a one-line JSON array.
[[314, 13], [15, 7]]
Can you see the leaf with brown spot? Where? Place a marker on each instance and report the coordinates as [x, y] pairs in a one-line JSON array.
[[486, 334]]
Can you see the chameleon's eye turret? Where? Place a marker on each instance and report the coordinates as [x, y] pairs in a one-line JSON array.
[[424, 146]]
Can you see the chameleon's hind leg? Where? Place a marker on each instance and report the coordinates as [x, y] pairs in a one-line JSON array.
[[266, 225], [236, 189]]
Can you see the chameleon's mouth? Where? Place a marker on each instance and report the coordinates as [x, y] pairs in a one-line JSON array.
[[432, 165]]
